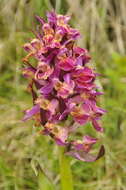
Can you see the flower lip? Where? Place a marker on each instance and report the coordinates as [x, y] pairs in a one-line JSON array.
[[66, 64], [43, 71]]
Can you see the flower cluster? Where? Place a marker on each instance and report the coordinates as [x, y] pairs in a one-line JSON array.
[[62, 86]]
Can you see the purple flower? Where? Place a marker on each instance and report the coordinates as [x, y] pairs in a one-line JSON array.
[[52, 17], [47, 88], [60, 134], [64, 89], [62, 86], [84, 77], [43, 71], [35, 48], [66, 64]]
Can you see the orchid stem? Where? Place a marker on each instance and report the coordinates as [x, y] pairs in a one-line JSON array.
[[65, 171]]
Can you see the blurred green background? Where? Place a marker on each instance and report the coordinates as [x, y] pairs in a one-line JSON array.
[[29, 161]]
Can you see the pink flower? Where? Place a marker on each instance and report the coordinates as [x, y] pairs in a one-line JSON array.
[[84, 78], [66, 64], [62, 86], [64, 89], [35, 48], [43, 71], [60, 134]]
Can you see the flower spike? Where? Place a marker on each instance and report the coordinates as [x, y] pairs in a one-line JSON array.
[[62, 85]]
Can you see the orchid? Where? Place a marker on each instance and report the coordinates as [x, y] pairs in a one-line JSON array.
[[62, 84]]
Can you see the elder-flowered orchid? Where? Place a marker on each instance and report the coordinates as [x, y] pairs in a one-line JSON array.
[[62, 86]]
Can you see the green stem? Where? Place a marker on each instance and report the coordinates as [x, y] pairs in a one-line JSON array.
[[65, 171]]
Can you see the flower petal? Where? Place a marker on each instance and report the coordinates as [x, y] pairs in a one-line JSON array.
[[40, 19], [46, 89], [97, 125], [66, 64], [51, 16], [29, 113]]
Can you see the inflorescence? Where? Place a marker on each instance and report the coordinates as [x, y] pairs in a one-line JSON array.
[[62, 86]]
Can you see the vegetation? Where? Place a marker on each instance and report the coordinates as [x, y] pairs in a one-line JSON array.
[[29, 161]]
